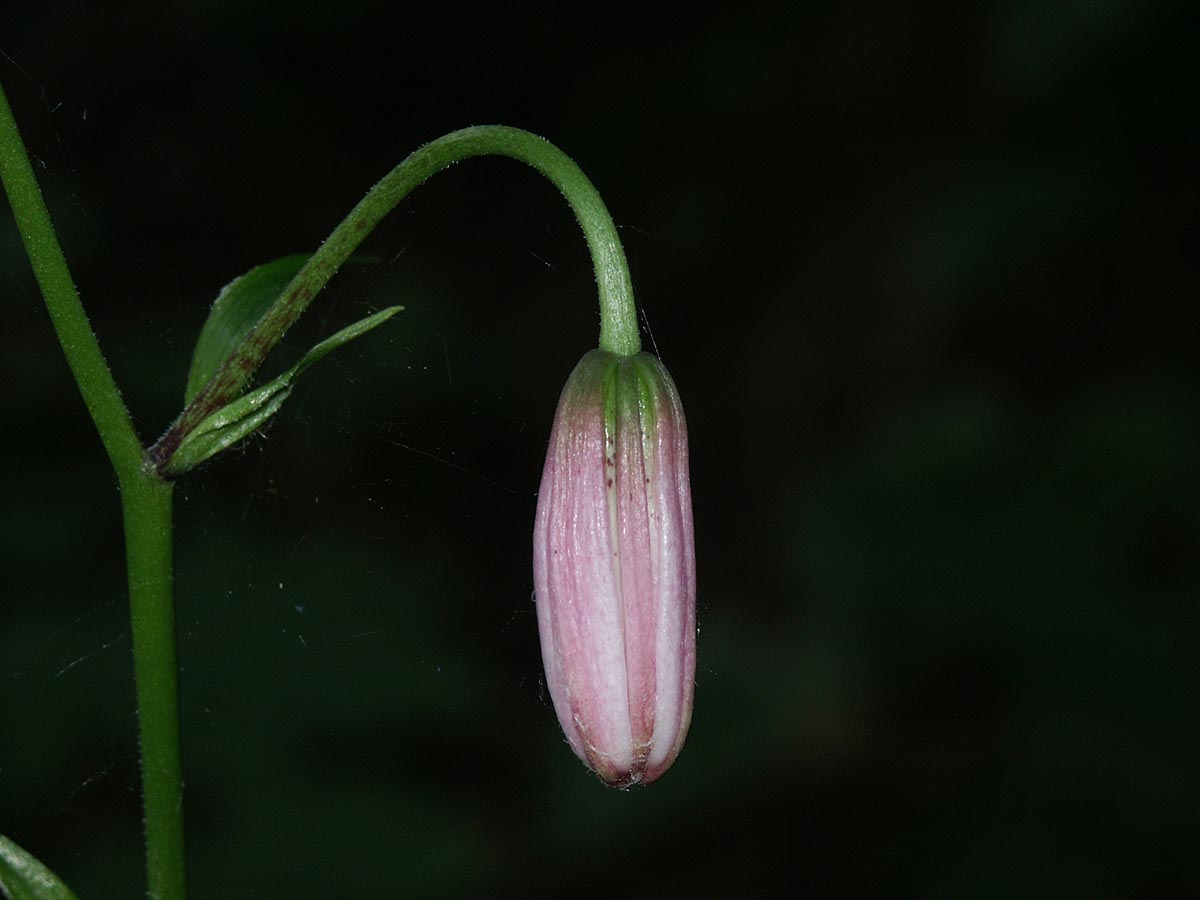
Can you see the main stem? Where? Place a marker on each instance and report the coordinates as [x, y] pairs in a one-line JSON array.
[[146, 505], [618, 314]]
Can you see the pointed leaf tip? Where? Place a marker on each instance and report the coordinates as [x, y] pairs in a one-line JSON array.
[[344, 336]]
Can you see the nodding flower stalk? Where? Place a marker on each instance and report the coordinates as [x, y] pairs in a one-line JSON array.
[[614, 568]]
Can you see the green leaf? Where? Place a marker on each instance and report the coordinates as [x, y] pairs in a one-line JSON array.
[[24, 878], [236, 310], [248, 413]]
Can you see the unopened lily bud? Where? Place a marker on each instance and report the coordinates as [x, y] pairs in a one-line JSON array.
[[614, 568]]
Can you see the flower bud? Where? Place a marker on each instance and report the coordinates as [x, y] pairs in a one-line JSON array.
[[614, 568]]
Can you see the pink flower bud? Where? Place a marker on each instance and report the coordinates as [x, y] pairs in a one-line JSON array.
[[614, 568]]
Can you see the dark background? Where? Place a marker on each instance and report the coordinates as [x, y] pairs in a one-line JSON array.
[[925, 277]]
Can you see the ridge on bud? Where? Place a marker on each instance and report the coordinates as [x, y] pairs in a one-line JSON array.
[[614, 568]]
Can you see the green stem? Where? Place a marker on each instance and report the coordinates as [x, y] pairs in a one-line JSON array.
[[618, 315], [146, 502], [146, 505], [75, 333]]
